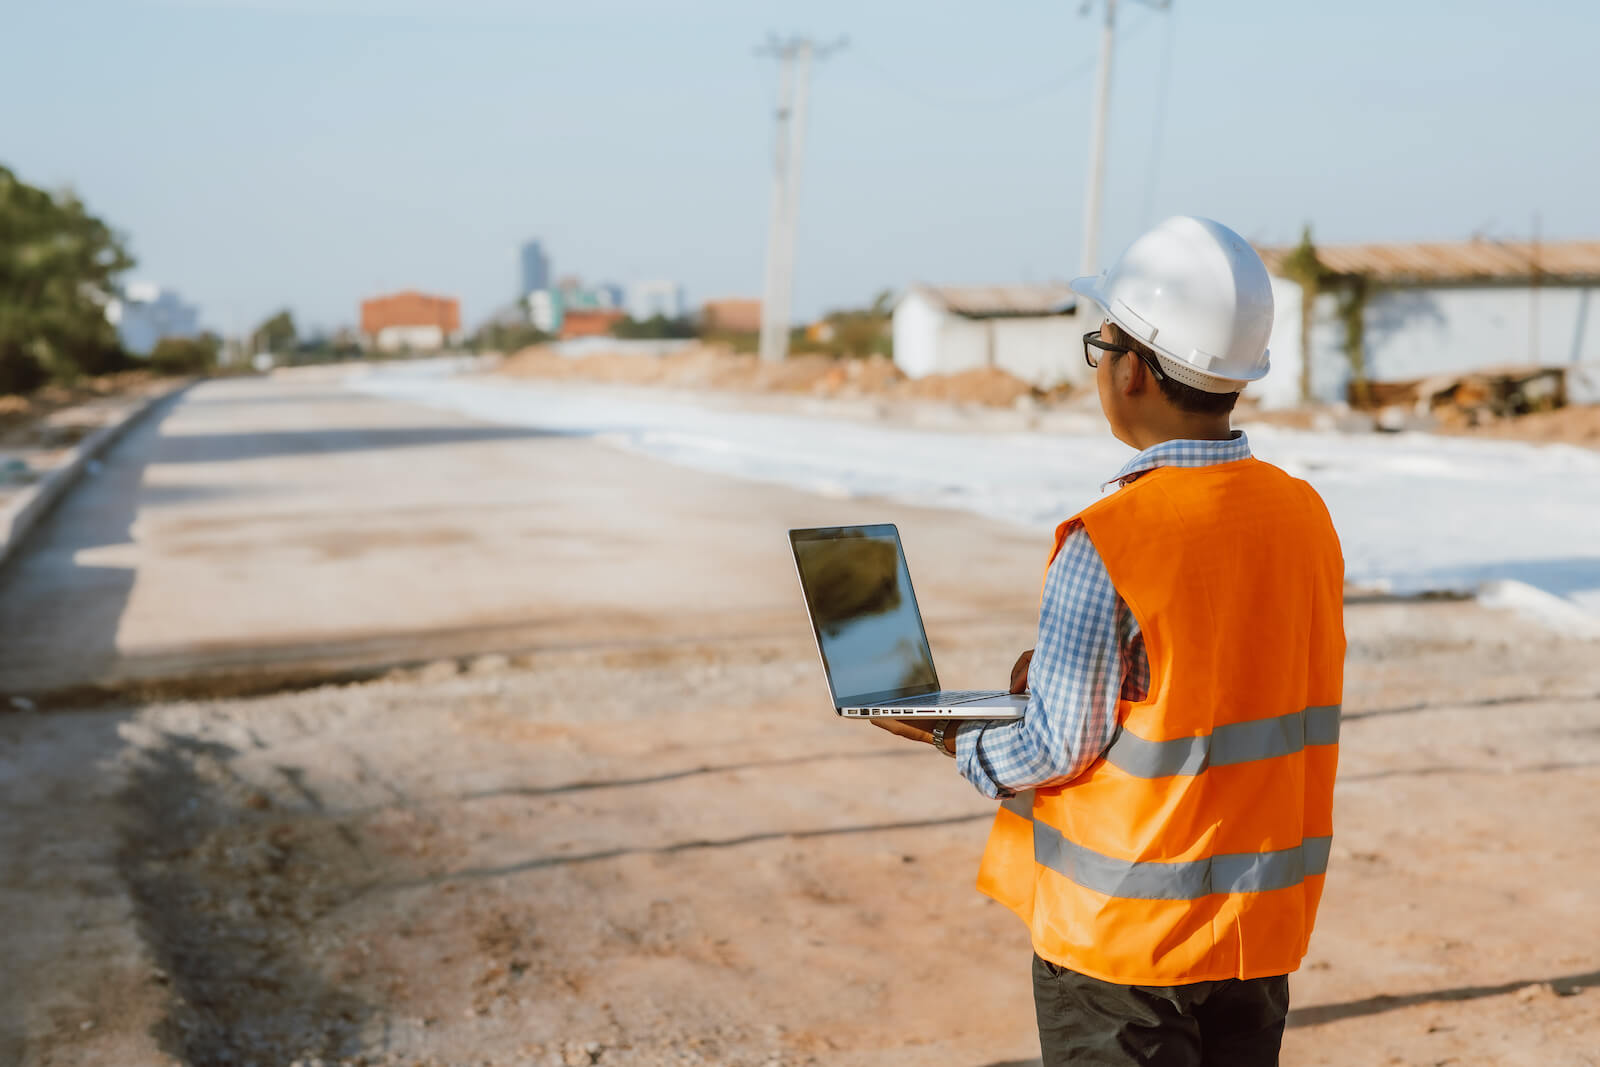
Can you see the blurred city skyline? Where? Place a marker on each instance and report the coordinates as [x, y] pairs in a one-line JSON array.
[[260, 154]]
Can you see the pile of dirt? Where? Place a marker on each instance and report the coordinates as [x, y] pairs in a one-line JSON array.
[[719, 368], [983, 385], [25, 421], [711, 367], [1576, 425]]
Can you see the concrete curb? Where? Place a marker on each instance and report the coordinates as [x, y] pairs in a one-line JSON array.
[[22, 514]]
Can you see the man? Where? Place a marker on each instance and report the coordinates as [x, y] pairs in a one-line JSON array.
[[1167, 801]]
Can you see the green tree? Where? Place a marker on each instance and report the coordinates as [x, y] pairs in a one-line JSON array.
[[186, 355], [865, 332], [1351, 291], [655, 328], [58, 266], [506, 337], [276, 334]]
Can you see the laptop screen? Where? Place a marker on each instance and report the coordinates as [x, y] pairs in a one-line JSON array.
[[864, 612]]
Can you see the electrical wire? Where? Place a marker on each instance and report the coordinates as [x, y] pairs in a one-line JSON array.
[[1158, 126], [1010, 99]]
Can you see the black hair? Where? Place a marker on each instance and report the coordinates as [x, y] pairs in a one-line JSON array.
[[1183, 397]]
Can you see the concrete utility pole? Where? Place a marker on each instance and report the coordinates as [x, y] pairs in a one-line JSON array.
[[1097, 134], [794, 73]]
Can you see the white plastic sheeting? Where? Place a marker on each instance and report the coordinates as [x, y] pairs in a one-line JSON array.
[[1416, 513]]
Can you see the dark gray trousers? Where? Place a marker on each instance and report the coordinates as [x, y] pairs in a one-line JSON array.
[[1089, 1023]]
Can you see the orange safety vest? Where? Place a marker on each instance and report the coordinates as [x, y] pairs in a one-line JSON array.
[[1195, 847]]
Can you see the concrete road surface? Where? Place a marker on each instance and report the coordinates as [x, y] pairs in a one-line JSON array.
[[260, 532]]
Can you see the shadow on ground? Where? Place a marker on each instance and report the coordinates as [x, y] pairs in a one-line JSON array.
[[60, 903], [1565, 985], [265, 444], [225, 898], [49, 602]]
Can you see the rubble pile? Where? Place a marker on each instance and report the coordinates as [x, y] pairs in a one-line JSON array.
[[711, 367]]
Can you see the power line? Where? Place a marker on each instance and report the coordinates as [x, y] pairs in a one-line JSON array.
[[1158, 126], [1097, 135], [1009, 98]]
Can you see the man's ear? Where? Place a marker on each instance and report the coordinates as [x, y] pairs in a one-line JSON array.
[[1139, 377]]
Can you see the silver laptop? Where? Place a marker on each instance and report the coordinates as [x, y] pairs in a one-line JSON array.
[[874, 649]]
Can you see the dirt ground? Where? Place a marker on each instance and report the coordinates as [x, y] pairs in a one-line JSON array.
[[54, 412], [713, 368], [706, 367], [675, 854], [655, 844], [37, 432]]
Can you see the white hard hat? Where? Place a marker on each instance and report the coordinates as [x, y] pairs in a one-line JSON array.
[[1195, 293]]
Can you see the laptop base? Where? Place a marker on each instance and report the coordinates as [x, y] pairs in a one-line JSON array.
[[952, 705]]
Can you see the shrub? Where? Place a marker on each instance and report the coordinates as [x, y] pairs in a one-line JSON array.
[[184, 355], [19, 371]]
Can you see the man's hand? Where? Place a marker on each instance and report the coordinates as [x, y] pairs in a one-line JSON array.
[[906, 728], [1019, 673]]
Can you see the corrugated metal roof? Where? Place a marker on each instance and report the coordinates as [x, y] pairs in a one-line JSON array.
[[990, 301], [1555, 262]]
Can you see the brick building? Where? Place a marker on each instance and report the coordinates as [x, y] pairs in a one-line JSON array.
[[410, 320], [590, 322], [734, 315]]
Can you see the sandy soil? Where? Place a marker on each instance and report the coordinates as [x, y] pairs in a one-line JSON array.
[[704, 367], [37, 432], [655, 844], [1577, 425], [675, 854], [23, 419], [877, 378]]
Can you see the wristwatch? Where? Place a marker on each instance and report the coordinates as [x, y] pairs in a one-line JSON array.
[[938, 736]]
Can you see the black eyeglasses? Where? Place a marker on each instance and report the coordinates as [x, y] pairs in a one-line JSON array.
[[1092, 339]]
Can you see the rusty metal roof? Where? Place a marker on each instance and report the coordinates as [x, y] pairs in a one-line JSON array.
[[994, 301], [1481, 260]]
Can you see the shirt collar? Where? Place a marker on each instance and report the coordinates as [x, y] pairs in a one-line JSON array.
[[1181, 453]]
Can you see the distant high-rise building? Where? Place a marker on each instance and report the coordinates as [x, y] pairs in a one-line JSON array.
[[146, 312], [646, 300], [535, 268]]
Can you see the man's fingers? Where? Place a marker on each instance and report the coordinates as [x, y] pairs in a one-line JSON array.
[[901, 729]]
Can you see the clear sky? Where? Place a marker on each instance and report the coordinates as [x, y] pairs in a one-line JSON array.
[[263, 153]]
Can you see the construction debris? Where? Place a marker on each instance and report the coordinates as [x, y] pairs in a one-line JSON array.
[[715, 367], [1463, 400]]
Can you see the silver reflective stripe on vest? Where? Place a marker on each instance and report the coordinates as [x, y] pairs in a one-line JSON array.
[[1020, 804], [1245, 872], [1239, 742], [1322, 725]]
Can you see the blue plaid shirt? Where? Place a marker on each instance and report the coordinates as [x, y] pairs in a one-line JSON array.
[[1088, 655]]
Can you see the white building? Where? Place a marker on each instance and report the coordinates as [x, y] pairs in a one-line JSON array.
[[1030, 331], [544, 310], [146, 312], [646, 300], [1434, 309], [411, 339]]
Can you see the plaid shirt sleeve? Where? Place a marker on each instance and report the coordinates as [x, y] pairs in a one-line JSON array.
[[1089, 652]]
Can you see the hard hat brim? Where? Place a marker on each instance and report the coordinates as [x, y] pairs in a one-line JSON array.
[[1092, 287]]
